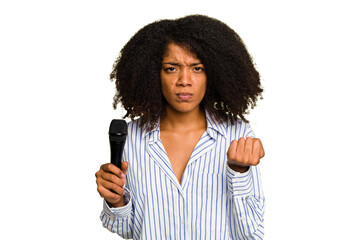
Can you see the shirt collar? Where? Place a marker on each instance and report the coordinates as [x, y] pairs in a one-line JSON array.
[[212, 127]]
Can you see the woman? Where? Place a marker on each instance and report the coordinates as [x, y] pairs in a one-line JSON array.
[[190, 159]]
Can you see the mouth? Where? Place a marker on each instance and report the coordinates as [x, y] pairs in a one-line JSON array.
[[184, 96]]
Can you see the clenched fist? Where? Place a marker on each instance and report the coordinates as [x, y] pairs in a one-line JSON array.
[[111, 182], [244, 153]]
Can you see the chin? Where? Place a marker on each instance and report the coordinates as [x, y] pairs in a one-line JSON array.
[[185, 110]]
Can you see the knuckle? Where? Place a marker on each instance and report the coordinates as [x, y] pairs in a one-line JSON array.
[[231, 155], [114, 169], [109, 166], [249, 140], [99, 191], [241, 142], [113, 178], [256, 162], [234, 157], [121, 192], [98, 173], [114, 186], [239, 158]]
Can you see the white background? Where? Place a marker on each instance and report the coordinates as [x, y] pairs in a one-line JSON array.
[[56, 106]]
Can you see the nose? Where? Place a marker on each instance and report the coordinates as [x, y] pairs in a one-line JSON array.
[[184, 78]]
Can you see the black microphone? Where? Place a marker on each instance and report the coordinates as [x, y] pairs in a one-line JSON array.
[[117, 137]]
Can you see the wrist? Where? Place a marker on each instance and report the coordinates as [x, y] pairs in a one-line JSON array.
[[121, 203], [240, 169]]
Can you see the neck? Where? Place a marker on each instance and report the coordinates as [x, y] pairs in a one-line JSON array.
[[177, 121]]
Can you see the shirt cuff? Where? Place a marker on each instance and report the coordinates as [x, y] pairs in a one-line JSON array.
[[240, 184], [120, 212]]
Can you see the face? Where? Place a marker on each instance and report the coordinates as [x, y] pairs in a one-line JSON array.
[[183, 80]]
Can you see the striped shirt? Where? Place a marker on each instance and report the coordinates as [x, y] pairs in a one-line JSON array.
[[212, 201]]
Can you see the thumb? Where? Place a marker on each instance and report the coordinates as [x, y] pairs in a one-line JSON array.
[[124, 166]]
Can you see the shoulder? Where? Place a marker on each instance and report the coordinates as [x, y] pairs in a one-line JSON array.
[[136, 130], [133, 124], [233, 130], [238, 129]]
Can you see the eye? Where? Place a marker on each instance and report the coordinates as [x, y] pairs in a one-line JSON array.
[[170, 69], [198, 69]]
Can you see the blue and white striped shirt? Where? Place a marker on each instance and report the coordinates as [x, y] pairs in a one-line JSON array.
[[212, 201]]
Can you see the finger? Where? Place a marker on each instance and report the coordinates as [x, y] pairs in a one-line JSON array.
[[240, 148], [107, 194], [113, 179], [258, 149], [262, 150], [124, 168], [112, 174], [241, 145], [111, 186], [231, 153], [248, 149], [97, 174], [108, 167]]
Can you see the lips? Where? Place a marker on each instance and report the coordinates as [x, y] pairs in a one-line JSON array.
[[184, 96]]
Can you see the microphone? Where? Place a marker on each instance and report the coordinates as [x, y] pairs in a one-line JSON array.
[[117, 137]]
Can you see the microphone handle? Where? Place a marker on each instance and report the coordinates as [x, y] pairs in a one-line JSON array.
[[116, 148]]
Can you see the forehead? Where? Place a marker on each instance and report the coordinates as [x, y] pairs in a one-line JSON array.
[[176, 51]]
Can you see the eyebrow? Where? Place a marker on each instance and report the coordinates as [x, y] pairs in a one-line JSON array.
[[178, 64]]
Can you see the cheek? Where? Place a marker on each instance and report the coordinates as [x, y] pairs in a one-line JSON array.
[[203, 86], [167, 88], [168, 85]]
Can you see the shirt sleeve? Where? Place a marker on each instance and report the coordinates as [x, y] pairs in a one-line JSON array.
[[119, 220], [246, 201]]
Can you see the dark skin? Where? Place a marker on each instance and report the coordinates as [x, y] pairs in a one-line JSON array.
[[183, 84], [111, 181], [183, 81], [244, 153]]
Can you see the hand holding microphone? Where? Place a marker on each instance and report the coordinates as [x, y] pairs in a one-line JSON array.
[[111, 178]]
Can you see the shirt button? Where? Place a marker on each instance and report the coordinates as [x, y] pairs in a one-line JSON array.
[[182, 222]]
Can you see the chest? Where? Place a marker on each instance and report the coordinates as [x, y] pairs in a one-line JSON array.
[[200, 196], [179, 148]]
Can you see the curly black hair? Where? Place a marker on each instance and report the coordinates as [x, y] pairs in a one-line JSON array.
[[233, 83]]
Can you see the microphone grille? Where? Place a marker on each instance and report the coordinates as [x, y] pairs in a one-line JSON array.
[[118, 127]]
